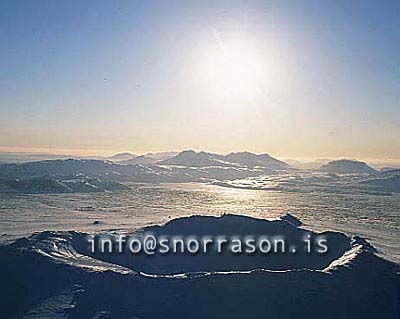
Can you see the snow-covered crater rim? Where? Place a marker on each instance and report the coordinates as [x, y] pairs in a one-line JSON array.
[[70, 248]]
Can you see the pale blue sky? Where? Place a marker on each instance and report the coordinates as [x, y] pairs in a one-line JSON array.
[[298, 78]]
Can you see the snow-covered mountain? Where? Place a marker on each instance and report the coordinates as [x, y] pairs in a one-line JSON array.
[[346, 166], [253, 160], [241, 159], [195, 159]]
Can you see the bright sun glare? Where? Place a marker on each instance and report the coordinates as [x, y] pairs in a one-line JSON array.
[[234, 70]]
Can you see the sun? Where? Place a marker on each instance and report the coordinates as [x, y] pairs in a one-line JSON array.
[[234, 69]]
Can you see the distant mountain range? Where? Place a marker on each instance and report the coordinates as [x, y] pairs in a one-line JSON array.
[[191, 158], [87, 175], [78, 175], [24, 157]]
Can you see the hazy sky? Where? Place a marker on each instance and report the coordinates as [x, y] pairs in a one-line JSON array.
[[292, 78]]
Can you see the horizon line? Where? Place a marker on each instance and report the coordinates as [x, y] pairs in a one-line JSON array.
[[108, 153]]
